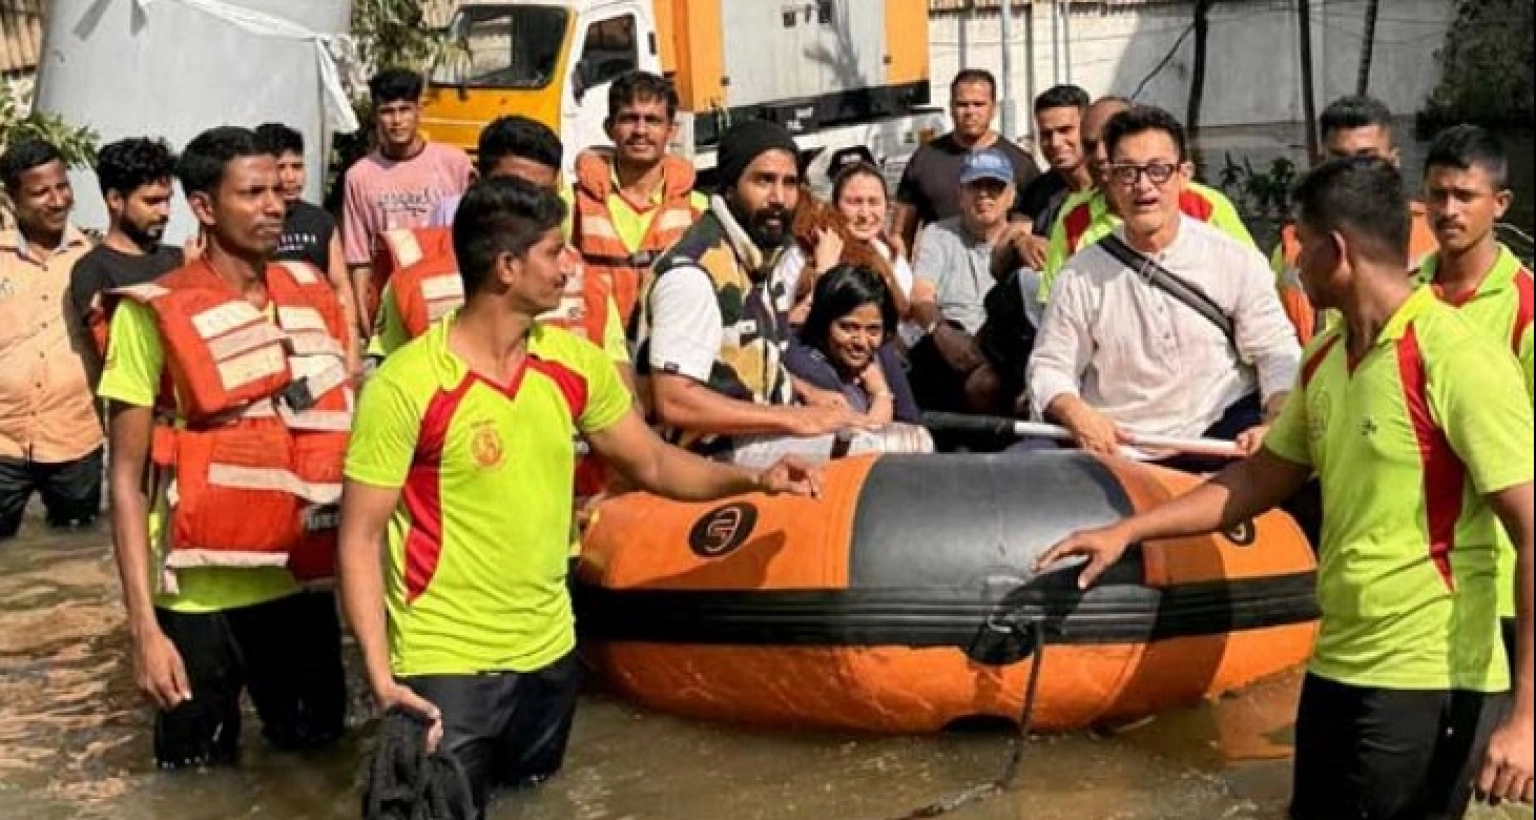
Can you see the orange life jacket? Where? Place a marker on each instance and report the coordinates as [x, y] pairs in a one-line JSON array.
[[254, 465], [606, 259]]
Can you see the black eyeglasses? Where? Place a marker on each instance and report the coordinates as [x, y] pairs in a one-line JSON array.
[[1158, 172]]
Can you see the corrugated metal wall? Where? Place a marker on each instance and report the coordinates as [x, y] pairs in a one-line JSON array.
[[21, 35]]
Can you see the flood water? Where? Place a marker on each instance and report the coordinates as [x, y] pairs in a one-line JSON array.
[[75, 743]]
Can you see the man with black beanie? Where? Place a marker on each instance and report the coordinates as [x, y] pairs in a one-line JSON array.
[[709, 338]]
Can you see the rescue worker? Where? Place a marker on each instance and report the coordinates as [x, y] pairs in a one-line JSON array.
[[424, 282], [634, 200], [1466, 189], [229, 410], [1088, 216], [461, 462], [1407, 677], [1355, 126]]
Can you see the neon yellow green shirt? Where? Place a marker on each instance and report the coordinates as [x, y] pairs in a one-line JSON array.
[[1408, 443], [475, 578], [132, 376]]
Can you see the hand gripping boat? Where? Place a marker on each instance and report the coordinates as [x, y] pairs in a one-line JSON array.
[[903, 600]]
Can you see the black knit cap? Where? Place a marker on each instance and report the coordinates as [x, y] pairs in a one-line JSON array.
[[746, 141]]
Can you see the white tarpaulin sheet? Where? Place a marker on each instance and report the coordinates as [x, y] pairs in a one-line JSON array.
[[173, 68]]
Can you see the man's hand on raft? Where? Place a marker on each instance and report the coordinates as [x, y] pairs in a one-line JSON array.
[[1102, 547], [792, 476], [392, 694]]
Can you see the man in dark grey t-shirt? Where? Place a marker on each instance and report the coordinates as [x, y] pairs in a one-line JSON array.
[[927, 192]]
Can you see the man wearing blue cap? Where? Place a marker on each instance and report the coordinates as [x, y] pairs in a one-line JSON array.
[[952, 271]]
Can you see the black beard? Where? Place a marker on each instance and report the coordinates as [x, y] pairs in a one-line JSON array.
[[141, 237], [769, 238]]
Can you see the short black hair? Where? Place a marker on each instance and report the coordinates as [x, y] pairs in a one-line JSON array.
[[500, 215], [1139, 119], [1463, 146], [127, 165], [1354, 111], [24, 155], [517, 136], [1361, 198], [203, 161], [979, 76], [395, 85], [840, 291], [280, 139], [1062, 96], [641, 86]]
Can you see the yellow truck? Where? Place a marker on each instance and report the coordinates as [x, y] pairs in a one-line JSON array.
[[842, 75]]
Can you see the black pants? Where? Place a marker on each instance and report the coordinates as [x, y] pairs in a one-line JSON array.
[[286, 653], [506, 729], [1380, 754], [71, 491]]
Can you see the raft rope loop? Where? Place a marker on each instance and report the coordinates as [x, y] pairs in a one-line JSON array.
[[1015, 765]]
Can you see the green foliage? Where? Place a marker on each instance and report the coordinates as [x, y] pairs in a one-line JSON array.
[[1488, 65], [1263, 195], [395, 33], [77, 144]]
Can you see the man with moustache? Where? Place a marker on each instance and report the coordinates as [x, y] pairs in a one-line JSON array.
[[709, 341], [633, 201], [224, 485], [50, 436], [1119, 355], [135, 177]]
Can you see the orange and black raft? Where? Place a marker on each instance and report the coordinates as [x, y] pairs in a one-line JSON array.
[[903, 599]]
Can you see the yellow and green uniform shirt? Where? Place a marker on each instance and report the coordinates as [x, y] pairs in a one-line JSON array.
[[1085, 218], [475, 578], [1501, 307], [1408, 442], [132, 376]]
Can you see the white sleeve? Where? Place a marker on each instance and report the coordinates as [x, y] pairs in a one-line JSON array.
[[686, 329], [904, 277], [786, 278], [1265, 337], [1064, 345]]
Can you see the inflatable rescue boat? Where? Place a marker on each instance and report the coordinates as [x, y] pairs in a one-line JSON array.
[[903, 599]]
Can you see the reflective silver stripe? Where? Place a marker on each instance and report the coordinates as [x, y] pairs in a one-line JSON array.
[[307, 343], [245, 340], [236, 477], [600, 227], [258, 364], [302, 272], [217, 321], [301, 319], [439, 308], [403, 246], [674, 219], [317, 421], [446, 286], [197, 558], [141, 293]]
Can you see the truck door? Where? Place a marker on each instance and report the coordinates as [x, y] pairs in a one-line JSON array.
[[615, 39]]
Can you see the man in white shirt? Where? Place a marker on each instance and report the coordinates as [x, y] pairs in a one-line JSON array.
[[1118, 356]]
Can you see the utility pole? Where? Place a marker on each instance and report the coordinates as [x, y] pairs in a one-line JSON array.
[[1197, 74], [1008, 118], [1308, 104], [1367, 47]]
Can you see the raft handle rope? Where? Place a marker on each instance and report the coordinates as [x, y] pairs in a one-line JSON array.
[[1004, 782]]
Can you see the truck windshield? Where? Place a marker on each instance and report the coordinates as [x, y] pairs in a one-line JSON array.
[[503, 47]]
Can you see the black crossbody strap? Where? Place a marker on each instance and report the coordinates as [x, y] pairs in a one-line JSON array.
[[1179, 288]]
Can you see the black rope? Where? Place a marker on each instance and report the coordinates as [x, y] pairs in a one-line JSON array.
[[406, 783], [1015, 765]]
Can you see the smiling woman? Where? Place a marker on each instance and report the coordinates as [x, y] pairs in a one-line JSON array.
[[844, 345]]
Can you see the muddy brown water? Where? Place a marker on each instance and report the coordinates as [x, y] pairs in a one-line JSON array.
[[75, 743]]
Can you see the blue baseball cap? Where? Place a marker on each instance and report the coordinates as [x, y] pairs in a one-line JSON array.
[[988, 163]]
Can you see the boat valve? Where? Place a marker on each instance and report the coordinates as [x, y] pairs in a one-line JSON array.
[[1004, 639]]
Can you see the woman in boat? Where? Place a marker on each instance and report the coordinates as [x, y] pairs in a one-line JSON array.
[[851, 231], [845, 345]]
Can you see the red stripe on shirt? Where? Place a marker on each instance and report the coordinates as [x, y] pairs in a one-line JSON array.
[[1309, 368], [1077, 221], [422, 496], [1526, 307], [1192, 203], [573, 386], [1445, 475]]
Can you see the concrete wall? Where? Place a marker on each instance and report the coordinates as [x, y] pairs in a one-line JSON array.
[[1253, 65]]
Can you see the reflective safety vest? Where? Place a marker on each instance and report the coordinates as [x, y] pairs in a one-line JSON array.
[[427, 286], [252, 462], [606, 258]]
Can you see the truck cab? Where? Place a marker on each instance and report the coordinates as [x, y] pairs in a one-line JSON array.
[[551, 61]]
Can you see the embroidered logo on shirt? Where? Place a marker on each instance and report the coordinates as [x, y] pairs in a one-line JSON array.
[[486, 447], [1368, 428]]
